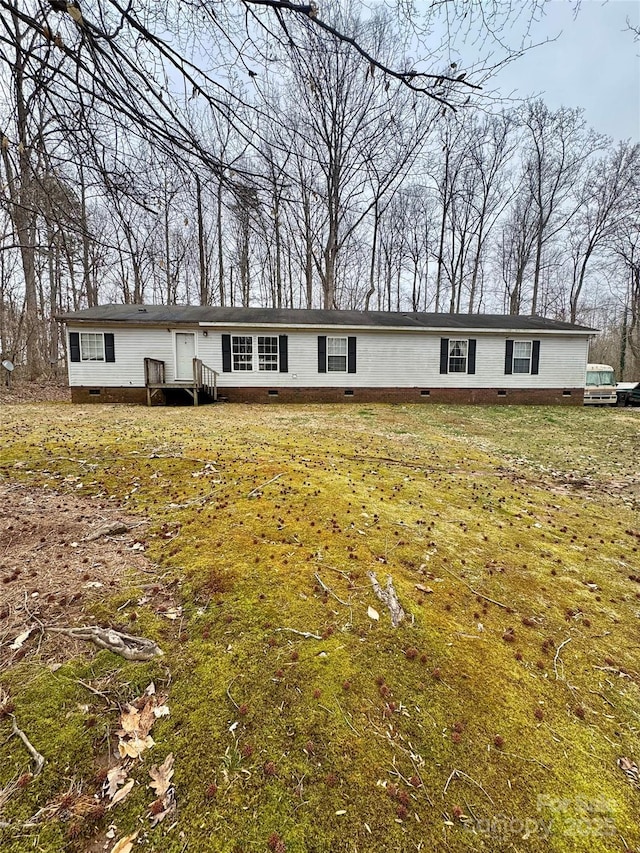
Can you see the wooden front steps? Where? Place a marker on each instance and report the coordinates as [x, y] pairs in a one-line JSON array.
[[204, 382]]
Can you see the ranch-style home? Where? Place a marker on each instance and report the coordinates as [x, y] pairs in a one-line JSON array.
[[157, 353]]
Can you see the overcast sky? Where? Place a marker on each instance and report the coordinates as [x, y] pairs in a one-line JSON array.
[[594, 64]]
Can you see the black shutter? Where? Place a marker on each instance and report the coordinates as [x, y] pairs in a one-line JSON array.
[[226, 353], [508, 357], [283, 351], [471, 359], [535, 357], [444, 355], [351, 358], [74, 346], [322, 353], [109, 348]]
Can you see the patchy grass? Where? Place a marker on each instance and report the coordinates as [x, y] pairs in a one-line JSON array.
[[493, 716]]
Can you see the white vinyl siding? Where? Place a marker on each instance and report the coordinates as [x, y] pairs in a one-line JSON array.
[[91, 346], [386, 359]]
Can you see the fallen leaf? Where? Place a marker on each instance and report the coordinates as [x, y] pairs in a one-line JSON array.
[[161, 776], [147, 719], [21, 639], [120, 795], [173, 613], [372, 613], [169, 803], [135, 747], [425, 589], [125, 845], [115, 778], [130, 720]]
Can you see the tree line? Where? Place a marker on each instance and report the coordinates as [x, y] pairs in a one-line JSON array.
[[191, 154]]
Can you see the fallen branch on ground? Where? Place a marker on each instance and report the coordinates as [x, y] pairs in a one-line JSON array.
[[33, 752], [460, 774], [257, 488], [388, 597], [328, 589], [557, 660], [129, 647], [471, 589], [110, 529], [306, 634]]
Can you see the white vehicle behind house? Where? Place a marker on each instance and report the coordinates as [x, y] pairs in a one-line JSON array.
[[600, 385]]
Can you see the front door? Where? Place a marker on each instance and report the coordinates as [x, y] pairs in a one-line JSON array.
[[185, 353]]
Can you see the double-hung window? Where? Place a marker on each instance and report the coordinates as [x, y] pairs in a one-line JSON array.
[[458, 355], [522, 356], [458, 350], [91, 346], [242, 350], [336, 355], [260, 353], [267, 353]]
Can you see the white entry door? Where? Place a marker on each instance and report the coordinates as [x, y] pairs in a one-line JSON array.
[[185, 353]]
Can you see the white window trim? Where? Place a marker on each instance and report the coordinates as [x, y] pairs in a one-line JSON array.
[[94, 335], [520, 358], [345, 356], [466, 356], [255, 355]]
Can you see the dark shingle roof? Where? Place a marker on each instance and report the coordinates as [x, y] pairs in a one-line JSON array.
[[194, 314]]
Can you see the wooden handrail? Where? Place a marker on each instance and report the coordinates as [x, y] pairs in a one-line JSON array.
[[205, 377]]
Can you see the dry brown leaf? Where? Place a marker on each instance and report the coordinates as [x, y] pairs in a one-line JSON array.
[[135, 747], [120, 795], [125, 845], [169, 803], [147, 719], [115, 778], [425, 589], [21, 639], [130, 720], [161, 776]]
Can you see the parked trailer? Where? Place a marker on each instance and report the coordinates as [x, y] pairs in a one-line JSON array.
[[600, 386]]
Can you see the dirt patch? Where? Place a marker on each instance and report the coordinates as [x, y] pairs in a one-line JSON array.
[[55, 564]]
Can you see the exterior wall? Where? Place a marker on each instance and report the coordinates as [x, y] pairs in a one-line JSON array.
[[108, 394], [386, 361], [485, 396]]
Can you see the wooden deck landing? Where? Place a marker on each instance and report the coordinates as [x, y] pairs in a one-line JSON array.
[[204, 382]]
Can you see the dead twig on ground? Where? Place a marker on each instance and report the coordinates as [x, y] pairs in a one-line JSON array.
[[556, 659], [126, 645], [33, 752], [328, 589], [471, 589], [460, 774], [231, 699], [306, 634], [258, 488], [388, 597]]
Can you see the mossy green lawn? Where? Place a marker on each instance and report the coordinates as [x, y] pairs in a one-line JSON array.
[[466, 728]]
